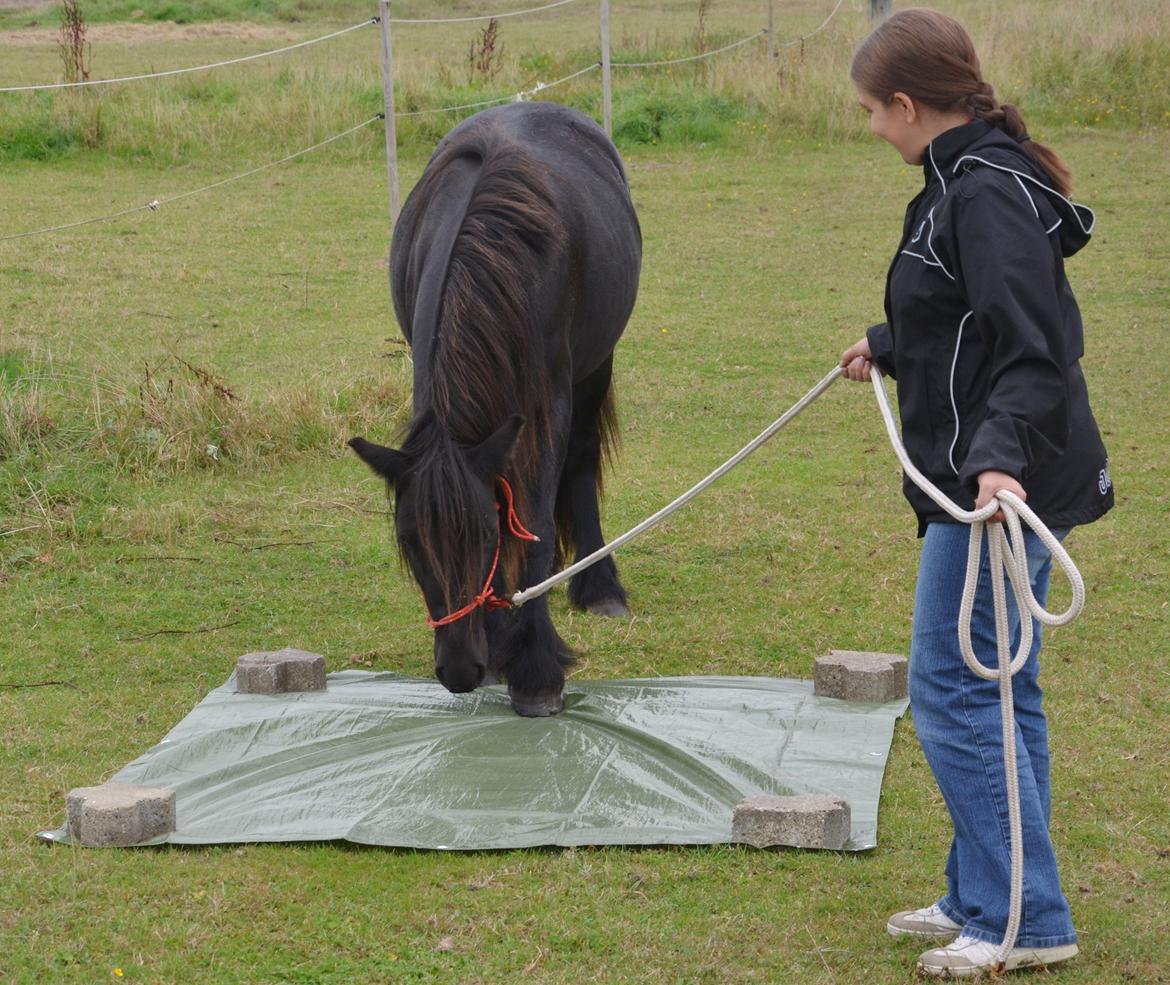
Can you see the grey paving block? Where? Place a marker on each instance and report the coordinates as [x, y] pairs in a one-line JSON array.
[[119, 814], [855, 675], [802, 821], [280, 672]]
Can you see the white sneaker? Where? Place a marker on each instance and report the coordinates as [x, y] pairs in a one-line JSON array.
[[930, 921], [967, 957]]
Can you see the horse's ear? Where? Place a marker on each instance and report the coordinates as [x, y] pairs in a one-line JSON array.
[[489, 458], [387, 462]]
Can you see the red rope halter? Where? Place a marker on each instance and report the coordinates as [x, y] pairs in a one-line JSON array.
[[487, 598]]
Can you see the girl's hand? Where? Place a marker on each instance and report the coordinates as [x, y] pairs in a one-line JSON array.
[[856, 361], [992, 482]]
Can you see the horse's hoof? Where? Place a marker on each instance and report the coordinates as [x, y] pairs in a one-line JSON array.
[[614, 608], [537, 705]]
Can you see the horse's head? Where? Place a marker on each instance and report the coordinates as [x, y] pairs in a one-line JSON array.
[[447, 522]]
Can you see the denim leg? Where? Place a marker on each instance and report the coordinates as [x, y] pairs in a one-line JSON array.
[[1031, 722], [957, 717]]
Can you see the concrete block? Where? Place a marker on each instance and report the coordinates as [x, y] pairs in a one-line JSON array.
[[804, 821], [856, 676], [280, 672], [119, 814]]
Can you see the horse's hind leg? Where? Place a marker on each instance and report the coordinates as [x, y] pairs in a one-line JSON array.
[[597, 588]]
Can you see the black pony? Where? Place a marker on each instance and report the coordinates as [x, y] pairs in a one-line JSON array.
[[514, 269]]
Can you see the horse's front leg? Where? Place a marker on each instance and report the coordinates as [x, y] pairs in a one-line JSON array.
[[524, 646], [534, 658]]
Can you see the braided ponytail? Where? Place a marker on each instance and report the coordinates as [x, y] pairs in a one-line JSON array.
[[930, 58], [984, 106]]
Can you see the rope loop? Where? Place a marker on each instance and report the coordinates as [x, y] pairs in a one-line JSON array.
[[1008, 553]]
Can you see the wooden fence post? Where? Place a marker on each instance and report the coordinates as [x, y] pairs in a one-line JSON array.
[[606, 80], [771, 33], [879, 9], [388, 104]]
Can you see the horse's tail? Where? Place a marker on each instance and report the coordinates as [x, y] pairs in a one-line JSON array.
[[608, 433]]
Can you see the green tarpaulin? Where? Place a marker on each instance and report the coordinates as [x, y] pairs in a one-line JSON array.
[[383, 759]]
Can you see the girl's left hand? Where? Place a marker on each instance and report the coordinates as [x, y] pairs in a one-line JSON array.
[[990, 483]]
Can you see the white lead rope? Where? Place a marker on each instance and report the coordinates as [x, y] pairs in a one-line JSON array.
[[602, 552], [1007, 553]]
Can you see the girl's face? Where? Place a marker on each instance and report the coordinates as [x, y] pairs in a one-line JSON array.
[[897, 123]]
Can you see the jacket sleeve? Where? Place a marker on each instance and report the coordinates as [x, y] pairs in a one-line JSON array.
[[881, 346], [1010, 273]]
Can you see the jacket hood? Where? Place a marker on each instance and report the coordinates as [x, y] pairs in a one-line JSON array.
[[979, 145]]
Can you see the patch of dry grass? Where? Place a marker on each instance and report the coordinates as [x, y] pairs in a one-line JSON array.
[[65, 438]]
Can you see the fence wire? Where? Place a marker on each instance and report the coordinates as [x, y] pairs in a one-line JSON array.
[[519, 97], [692, 58], [524, 94], [155, 204], [193, 68], [816, 30], [478, 17]]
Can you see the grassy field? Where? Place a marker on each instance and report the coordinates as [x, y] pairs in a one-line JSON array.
[[136, 564], [1092, 64]]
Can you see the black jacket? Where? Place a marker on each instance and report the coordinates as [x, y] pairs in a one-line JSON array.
[[984, 337]]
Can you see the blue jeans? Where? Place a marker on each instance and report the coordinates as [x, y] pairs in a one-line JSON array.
[[957, 717]]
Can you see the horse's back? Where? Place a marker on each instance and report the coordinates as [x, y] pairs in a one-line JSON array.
[[569, 144], [568, 154]]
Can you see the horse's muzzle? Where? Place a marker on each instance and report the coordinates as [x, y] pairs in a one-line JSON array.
[[461, 677]]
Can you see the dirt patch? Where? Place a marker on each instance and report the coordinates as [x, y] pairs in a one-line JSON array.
[[142, 33]]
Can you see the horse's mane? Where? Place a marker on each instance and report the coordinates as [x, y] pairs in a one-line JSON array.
[[487, 357]]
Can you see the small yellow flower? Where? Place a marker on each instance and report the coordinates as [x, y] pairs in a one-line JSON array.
[[118, 973]]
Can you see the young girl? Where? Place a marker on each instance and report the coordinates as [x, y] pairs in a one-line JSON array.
[[984, 338]]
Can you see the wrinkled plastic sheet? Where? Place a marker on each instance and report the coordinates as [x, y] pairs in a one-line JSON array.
[[383, 759]]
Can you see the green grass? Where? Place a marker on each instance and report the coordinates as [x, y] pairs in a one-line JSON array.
[[765, 251]]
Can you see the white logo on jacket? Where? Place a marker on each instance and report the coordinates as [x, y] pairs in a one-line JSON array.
[[1104, 483]]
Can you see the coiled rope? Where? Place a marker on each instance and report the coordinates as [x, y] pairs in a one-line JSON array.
[[1008, 554]]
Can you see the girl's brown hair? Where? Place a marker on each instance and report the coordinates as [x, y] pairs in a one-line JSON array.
[[930, 58]]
